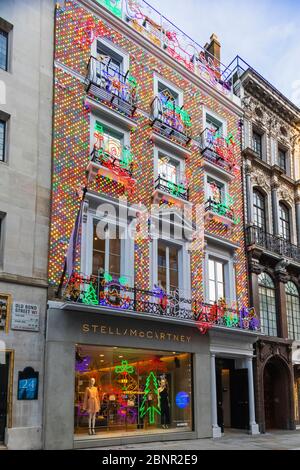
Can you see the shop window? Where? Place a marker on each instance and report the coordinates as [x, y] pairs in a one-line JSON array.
[[293, 310], [216, 280], [168, 268], [121, 392], [267, 303]]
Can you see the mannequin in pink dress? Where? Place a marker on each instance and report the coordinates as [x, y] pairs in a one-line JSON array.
[[91, 404]]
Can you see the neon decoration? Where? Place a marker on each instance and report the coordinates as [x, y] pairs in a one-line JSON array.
[[114, 6], [124, 368], [90, 296], [151, 387], [82, 364], [222, 206], [87, 31], [181, 115], [182, 400]]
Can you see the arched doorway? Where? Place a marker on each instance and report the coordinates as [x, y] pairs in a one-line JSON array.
[[277, 395]]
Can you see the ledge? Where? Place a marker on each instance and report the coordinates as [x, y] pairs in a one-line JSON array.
[[111, 115], [170, 145], [23, 280]]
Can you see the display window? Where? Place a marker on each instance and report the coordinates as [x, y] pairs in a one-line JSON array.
[[120, 391]]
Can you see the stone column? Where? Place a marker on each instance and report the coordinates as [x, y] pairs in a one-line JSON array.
[[253, 426], [275, 206], [282, 278], [214, 410]]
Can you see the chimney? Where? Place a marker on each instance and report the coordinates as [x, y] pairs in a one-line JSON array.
[[214, 47]]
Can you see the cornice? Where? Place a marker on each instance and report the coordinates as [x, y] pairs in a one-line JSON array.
[[130, 33]]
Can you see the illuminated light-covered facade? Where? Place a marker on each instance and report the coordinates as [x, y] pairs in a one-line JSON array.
[[147, 139]]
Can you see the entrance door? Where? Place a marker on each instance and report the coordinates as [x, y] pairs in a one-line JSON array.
[[239, 399], [276, 395], [4, 368]]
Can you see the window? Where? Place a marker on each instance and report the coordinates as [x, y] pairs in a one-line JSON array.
[[216, 280], [293, 310], [106, 253], [213, 124], [168, 271], [259, 210], [168, 168], [257, 143], [267, 303], [112, 59], [3, 49], [110, 140], [284, 216], [136, 391], [282, 159], [2, 140], [2, 221], [167, 93], [216, 190]]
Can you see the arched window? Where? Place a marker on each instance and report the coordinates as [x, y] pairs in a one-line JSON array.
[[285, 226], [267, 302], [259, 210], [293, 310]]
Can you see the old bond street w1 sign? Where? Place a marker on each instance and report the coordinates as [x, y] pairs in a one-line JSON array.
[[25, 317]]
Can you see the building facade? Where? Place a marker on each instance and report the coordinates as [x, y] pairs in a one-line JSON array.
[[149, 330], [271, 162], [26, 64]]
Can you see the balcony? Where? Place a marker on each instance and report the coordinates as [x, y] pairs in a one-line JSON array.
[[113, 294], [111, 87], [220, 211], [218, 150], [177, 194], [116, 168], [170, 121], [255, 236]]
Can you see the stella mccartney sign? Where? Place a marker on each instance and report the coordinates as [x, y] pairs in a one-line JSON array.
[[135, 332]]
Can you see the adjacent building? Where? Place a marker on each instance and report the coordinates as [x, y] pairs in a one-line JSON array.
[[26, 64], [151, 301], [271, 161]]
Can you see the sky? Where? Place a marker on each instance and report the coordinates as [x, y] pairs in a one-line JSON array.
[[265, 33]]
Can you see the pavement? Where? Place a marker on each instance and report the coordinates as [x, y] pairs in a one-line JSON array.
[[277, 440]]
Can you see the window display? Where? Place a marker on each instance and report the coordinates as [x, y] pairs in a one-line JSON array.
[[133, 391]]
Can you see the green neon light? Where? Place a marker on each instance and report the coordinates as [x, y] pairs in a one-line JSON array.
[[124, 367], [114, 6], [151, 387]]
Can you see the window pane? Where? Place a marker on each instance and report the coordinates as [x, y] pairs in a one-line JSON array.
[[3, 49], [2, 140], [114, 265], [219, 267], [173, 263], [162, 266], [212, 291], [211, 270], [220, 287], [167, 169]]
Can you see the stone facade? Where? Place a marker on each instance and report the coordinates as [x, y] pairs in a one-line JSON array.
[[24, 201]]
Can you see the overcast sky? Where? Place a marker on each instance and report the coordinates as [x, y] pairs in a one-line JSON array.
[[265, 33]]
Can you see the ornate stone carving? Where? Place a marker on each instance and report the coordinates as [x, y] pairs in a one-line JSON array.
[[259, 179], [286, 194]]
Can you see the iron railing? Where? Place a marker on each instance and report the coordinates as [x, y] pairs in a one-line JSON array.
[[220, 208], [169, 122], [217, 150], [178, 190], [275, 244], [111, 86], [113, 293]]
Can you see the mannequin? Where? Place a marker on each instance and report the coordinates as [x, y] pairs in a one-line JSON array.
[[91, 404], [163, 393]]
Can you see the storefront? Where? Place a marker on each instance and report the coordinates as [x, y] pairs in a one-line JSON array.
[[113, 379]]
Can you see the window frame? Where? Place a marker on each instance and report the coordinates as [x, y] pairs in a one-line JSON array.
[[260, 135], [265, 314], [263, 210], [216, 261], [292, 309], [180, 163], [113, 49], [167, 267], [109, 126], [283, 150], [6, 35], [3, 156], [160, 80], [209, 113], [285, 224]]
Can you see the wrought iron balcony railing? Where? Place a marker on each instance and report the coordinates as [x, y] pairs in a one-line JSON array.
[[168, 187], [278, 245], [106, 292], [170, 121], [117, 164], [220, 208], [218, 150], [111, 86]]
